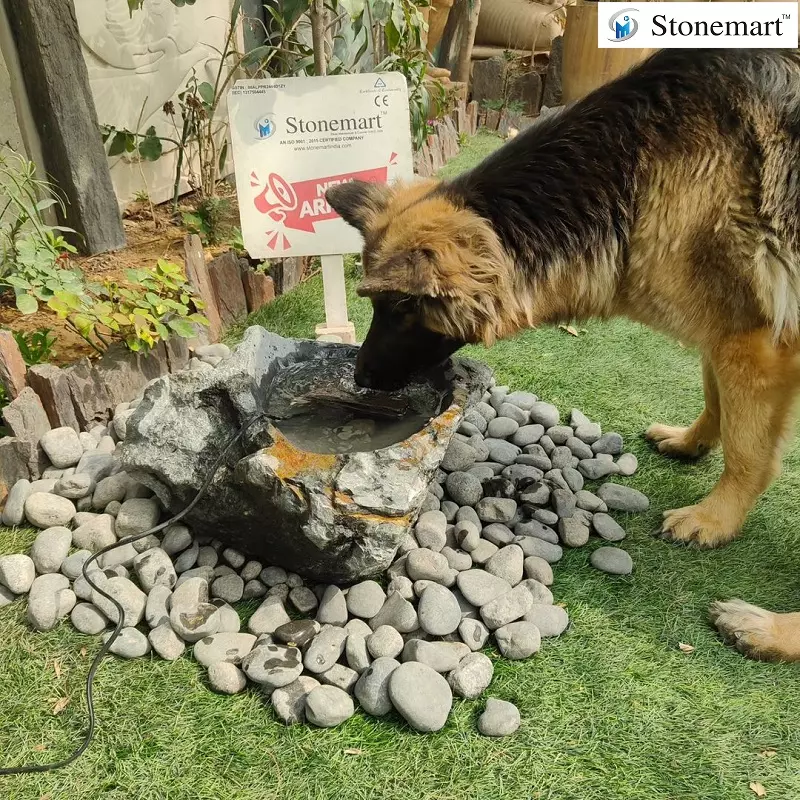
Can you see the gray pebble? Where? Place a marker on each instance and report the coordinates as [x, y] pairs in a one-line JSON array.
[[439, 656], [607, 528], [365, 599], [468, 429], [229, 588], [525, 400], [608, 444], [472, 676], [438, 611], [588, 501], [475, 419], [50, 548], [372, 688], [88, 618], [148, 543], [561, 457], [332, 607], [45, 485], [579, 448], [627, 464], [229, 621], [357, 653], [187, 559], [17, 573], [231, 647], [385, 642], [227, 678], [131, 643], [595, 469], [558, 434], [623, 498], [430, 530], [458, 457], [556, 480], [273, 665], [473, 633], [435, 488], [72, 566], [502, 427], [535, 455], [527, 435], [270, 615], [62, 446], [154, 568], [518, 640], [359, 627], [457, 559], [234, 558], [74, 487], [537, 568], [486, 411], [449, 509], [328, 706], [177, 538], [577, 417], [251, 570], [544, 414], [298, 633], [573, 532], [421, 696], [483, 552], [519, 472], [563, 502], [498, 534], [303, 599], [124, 556], [397, 612], [273, 576], [612, 560], [49, 600], [326, 649], [110, 488], [206, 573], [14, 511], [253, 589], [507, 564], [207, 556], [480, 447], [499, 719], [424, 564], [289, 701], [156, 611], [536, 494], [588, 432], [549, 619], [573, 479], [403, 586], [481, 471], [132, 599], [430, 503], [507, 607], [480, 588], [496, 509], [340, 676], [468, 534], [502, 452], [538, 591], [545, 516], [48, 510], [463, 488], [167, 644]]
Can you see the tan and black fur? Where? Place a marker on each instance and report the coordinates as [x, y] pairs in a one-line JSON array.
[[670, 196]]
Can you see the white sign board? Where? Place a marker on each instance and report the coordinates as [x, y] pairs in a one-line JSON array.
[[292, 138]]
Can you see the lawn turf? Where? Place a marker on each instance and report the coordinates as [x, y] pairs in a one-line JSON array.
[[613, 710]]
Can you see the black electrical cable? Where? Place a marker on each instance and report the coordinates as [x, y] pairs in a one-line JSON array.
[[89, 735]]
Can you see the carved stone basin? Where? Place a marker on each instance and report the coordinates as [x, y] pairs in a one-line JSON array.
[[328, 483]]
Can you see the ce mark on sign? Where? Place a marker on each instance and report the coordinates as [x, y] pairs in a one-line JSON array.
[[381, 100]]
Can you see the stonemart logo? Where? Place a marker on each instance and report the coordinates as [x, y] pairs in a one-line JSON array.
[[662, 25]]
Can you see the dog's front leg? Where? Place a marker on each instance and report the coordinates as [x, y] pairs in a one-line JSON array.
[[756, 383]]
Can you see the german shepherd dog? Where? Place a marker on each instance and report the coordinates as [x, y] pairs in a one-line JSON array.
[[670, 196]]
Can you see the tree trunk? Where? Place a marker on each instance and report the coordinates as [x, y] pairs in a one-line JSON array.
[[56, 80], [458, 38], [319, 20]]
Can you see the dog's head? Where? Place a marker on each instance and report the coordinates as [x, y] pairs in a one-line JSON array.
[[435, 274]]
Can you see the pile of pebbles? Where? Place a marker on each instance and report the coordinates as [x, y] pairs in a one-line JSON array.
[[476, 572]]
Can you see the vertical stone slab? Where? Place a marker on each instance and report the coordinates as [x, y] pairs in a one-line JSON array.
[[198, 277], [177, 354], [124, 374], [57, 81], [259, 289], [50, 383], [27, 420], [15, 459], [89, 394], [12, 366], [226, 280], [552, 83]]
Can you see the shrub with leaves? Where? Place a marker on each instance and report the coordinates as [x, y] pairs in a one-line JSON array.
[[155, 304], [36, 347]]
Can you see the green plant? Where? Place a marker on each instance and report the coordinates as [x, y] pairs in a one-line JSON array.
[[208, 220], [157, 303], [32, 252], [36, 347]]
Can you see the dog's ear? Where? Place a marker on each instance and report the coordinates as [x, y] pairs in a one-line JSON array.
[[358, 202]]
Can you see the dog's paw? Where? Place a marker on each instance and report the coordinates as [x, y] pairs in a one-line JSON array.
[[750, 629], [675, 442], [697, 526]]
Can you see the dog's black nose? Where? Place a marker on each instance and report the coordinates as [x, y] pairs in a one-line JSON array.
[[363, 379]]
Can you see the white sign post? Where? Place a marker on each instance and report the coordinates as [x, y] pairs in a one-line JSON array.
[[293, 138]]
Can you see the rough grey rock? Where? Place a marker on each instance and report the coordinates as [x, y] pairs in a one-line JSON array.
[[131, 643], [472, 676], [167, 644], [303, 599], [251, 571], [48, 510], [627, 464], [74, 487], [499, 719], [507, 564], [227, 678], [328, 706], [156, 610], [270, 615], [507, 607], [425, 565], [502, 452], [421, 696], [458, 457], [563, 502], [549, 619], [612, 560], [341, 517], [62, 446], [402, 586], [326, 649], [438, 611], [385, 642], [623, 498], [464, 488], [229, 588], [273, 665], [518, 640], [50, 548], [473, 633], [561, 457], [231, 647], [154, 568], [486, 411], [608, 444], [191, 615], [132, 599], [573, 532], [111, 488], [88, 618], [289, 701], [17, 573], [496, 509]]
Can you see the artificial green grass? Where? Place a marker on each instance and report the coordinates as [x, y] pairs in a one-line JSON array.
[[613, 710]]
